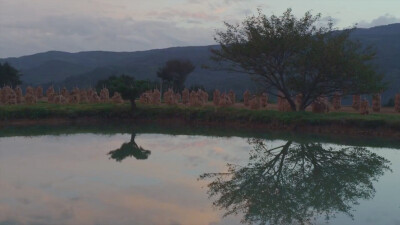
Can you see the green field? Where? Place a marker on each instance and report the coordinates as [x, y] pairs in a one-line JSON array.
[[203, 114]]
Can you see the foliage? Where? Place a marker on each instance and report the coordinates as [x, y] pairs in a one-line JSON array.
[[127, 86], [294, 56], [9, 75], [130, 149], [175, 72], [296, 182]]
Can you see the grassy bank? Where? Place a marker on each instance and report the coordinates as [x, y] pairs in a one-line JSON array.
[[207, 114], [121, 127]]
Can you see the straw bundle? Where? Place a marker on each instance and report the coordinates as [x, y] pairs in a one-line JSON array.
[[216, 97], [203, 96], [397, 103], [8, 96], [12, 97], [232, 96], [376, 102], [65, 93], [75, 96], [185, 96], [18, 92], [356, 102], [195, 99], [50, 94], [30, 99], [90, 93], [364, 107], [30, 90], [170, 98], [83, 96], [117, 98], [246, 98], [224, 100], [104, 95], [255, 103], [337, 101], [94, 98], [30, 95], [156, 97], [320, 105], [146, 97], [264, 100], [39, 92], [60, 99]]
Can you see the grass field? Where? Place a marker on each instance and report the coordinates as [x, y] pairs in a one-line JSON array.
[[206, 114]]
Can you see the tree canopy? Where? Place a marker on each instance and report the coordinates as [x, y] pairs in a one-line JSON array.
[[290, 56], [9, 75], [130, 149], [175, 72], [127, 86]]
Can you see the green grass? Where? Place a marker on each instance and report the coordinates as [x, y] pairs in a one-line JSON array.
[[45, 110], [152, 127], [204, 114]]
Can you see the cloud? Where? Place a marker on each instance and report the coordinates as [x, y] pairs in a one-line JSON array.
[[183, 14], [83, 33], [382, 20]]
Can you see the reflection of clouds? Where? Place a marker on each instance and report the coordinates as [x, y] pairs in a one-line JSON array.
[[70, 180]]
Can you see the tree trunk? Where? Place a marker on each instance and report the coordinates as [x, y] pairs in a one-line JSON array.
[[290, 101], [133, 104], [292, 105]]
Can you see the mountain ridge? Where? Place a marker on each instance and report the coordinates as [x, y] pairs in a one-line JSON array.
[[84, 68]]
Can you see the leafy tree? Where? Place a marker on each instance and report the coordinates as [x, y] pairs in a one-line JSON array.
[[175, 72], [296, 182], [130, 149], [127, 86], [9, 75], [295, 56]]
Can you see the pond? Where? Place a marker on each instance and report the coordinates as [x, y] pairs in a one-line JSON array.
[[97, 175]]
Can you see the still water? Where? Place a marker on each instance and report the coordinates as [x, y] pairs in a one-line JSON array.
[[153, 178]]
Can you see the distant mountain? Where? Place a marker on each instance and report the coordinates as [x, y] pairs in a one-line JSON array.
[[84, 69]]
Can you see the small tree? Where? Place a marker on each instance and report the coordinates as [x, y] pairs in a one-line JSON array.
[[127, 86], [9, 75], [292, 56], [175, 72]]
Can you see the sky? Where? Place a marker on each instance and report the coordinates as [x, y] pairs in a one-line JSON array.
[[32, 26]]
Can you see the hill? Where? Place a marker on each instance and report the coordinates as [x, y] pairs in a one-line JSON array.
[[84, 69]]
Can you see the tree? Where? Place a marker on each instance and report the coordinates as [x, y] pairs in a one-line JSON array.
[[290, 56], [296, 182], [130, 149], [127, 86], [9, 75], [175, 72]]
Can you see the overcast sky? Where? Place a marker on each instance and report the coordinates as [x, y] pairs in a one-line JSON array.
[[32, 26]]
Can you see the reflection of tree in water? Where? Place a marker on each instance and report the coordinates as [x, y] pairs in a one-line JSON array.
[[130, 149], [294, 183]]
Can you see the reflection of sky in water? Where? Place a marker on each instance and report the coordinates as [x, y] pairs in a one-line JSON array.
[[71, 180]]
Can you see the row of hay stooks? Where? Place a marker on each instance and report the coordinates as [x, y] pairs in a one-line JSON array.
[[252, 101], [9, 96]]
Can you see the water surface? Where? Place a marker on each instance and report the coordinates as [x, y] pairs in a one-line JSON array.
[[159, 178]]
